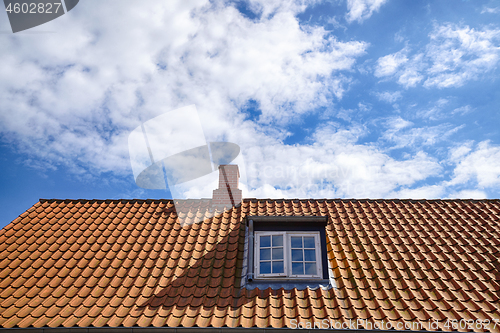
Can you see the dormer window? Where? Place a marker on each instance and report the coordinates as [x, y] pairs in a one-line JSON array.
[[292, 254], [286, 252]]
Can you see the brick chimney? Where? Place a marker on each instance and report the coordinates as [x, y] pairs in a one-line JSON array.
[[228, 193]]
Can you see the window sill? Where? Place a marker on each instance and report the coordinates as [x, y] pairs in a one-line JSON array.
[[288, 284]]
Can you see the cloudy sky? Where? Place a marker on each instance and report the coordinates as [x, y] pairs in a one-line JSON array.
[[327, 99]]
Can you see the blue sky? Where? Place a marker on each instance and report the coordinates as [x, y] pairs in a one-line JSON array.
[[327, 99]]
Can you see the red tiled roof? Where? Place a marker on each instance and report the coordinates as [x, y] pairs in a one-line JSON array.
[[83, 263]]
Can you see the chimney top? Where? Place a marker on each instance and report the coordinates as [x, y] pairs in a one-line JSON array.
[[228, 194]]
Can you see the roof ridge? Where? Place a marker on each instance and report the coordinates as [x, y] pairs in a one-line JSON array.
[[370, 200], [82, 200], [42, 200]]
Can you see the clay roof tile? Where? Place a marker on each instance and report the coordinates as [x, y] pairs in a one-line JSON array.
[[118, 262]]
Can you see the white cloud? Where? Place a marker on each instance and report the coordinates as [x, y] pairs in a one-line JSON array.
[[399, 36], [267, 8], [459, 152], [475, 171], [402, 133], [73, 96], [469, 194], [435, 111], [397, 123], [333, 166], [411, 75], [423, 192], [463, 110], [360, 10], [389, 97], [335, 23], [490, 10], [454, 55], [459, 54], [406, 70], [390, 64], [480, 166]]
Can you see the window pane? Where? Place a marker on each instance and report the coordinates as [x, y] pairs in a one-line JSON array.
[[297, 242], [278, 253], [265, 267], [265, 254], [277, 240], [297, 268], [309, 243], [311, 268], [302, 254], [265, 241], [310, 255], [278, 267], [297, 255]]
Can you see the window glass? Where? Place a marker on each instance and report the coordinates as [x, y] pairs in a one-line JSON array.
[[277, 240], [309, 243], [310, 268], [303, 255], [296, 242], [265, 254], [297, 268], [265, 267], [310, 255], [297, 255], [265, 241], [288, 254], [278, 253], [278, 267], [271, 255]]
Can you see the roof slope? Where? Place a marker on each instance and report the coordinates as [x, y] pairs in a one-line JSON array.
[[81, 263]]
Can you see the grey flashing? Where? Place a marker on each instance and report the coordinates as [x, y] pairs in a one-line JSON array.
[[323, 219], [289, 284], [244, 270], [331, 275], [250, 250]]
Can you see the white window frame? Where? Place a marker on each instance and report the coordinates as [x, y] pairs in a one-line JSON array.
[[287, 254]]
